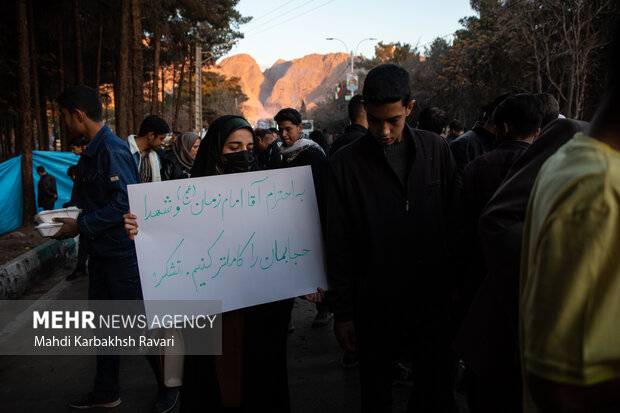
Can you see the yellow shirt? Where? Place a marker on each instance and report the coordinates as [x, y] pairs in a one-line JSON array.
[[570, 268]]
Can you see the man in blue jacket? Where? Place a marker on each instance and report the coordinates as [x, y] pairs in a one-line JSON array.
[[107, 169]]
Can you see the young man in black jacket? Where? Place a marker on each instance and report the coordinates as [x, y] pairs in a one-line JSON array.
[[389, 223]]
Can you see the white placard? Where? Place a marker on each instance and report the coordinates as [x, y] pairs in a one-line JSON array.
[[244, 239]]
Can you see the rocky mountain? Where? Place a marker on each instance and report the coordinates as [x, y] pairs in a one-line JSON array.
[[287, 83]]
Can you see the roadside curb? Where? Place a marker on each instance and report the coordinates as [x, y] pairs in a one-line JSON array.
[[20, 273]]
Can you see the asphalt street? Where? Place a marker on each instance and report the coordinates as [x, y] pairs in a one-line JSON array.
[[46, 383]]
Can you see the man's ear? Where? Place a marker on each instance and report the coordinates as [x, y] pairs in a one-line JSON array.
[[410, 107], [78, 115], [503, 129]]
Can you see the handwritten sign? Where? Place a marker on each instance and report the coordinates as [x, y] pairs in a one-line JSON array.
[[244, 239]]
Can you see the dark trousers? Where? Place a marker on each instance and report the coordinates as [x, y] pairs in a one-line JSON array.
[[265, 376], [112, 278], [82, 256], [379, 341], [495, 390]]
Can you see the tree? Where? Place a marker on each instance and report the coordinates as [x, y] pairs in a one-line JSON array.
[[564, 38], [221, 96], [25, 131]]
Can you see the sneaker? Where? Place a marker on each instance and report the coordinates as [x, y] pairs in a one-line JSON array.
[[349, 360], [166, 399], [75, 274], [322, 319], [402, 375], [88, 401]]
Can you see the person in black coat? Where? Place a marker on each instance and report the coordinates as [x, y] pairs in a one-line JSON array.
[[47, 189], [298, 150], [390, 198], [358, 126]]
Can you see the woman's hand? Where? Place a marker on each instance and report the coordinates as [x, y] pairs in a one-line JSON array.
[[316, 297], [131, 225]]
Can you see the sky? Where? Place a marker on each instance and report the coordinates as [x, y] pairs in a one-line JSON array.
[[290, 29]]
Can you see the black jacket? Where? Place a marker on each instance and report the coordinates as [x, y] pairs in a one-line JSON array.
[[271, 158], [388, 247], [47, 191], [351, 133], [469, 146], [318, 162], [488, 337], [170, 166]]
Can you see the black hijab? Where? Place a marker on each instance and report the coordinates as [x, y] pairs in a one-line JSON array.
[[209, 157]]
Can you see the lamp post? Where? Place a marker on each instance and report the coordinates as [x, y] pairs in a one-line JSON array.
[[351, 86], [347, 48]]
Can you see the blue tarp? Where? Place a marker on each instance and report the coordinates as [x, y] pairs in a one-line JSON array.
[[11, 201], [56, 164]]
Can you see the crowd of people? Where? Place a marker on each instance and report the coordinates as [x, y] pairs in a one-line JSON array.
[[494, 250]]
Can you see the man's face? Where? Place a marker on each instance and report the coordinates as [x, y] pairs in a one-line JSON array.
[[76, 150], [289, 133], [386, 121], [74, 121], [154, 141]]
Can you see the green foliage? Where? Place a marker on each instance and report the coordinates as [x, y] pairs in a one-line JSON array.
[[179, 24], [221, 96]]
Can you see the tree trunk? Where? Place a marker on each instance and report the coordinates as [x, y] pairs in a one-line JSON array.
[[121, 94], [99, 50], [137, 79], [155, 96], [64, 145], [44, 127], [25, 130], [178, 100], [190, 95], [42, 138], [78, 42], [55, 132], [163, 91]]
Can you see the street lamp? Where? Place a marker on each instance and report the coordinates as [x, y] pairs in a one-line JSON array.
[[347, 48]]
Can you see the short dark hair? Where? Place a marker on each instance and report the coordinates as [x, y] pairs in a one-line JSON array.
[[274, 131], [456, 125], [72, 171], [40, 169], [433, 119], [289, 114], [523, 114], [260, 132], [78, 142], [489, 108], [552, 108], [356, 107], [155, 124], [387, 83], [83, 98]]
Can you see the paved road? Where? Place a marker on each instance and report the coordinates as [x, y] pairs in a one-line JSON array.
[[45, 383]]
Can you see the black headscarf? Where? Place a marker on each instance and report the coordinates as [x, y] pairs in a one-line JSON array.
[[209, 157]]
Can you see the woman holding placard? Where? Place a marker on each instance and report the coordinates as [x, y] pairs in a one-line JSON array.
[[252, 372]]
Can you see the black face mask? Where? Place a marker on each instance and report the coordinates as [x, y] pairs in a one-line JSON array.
[[242, 161]]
